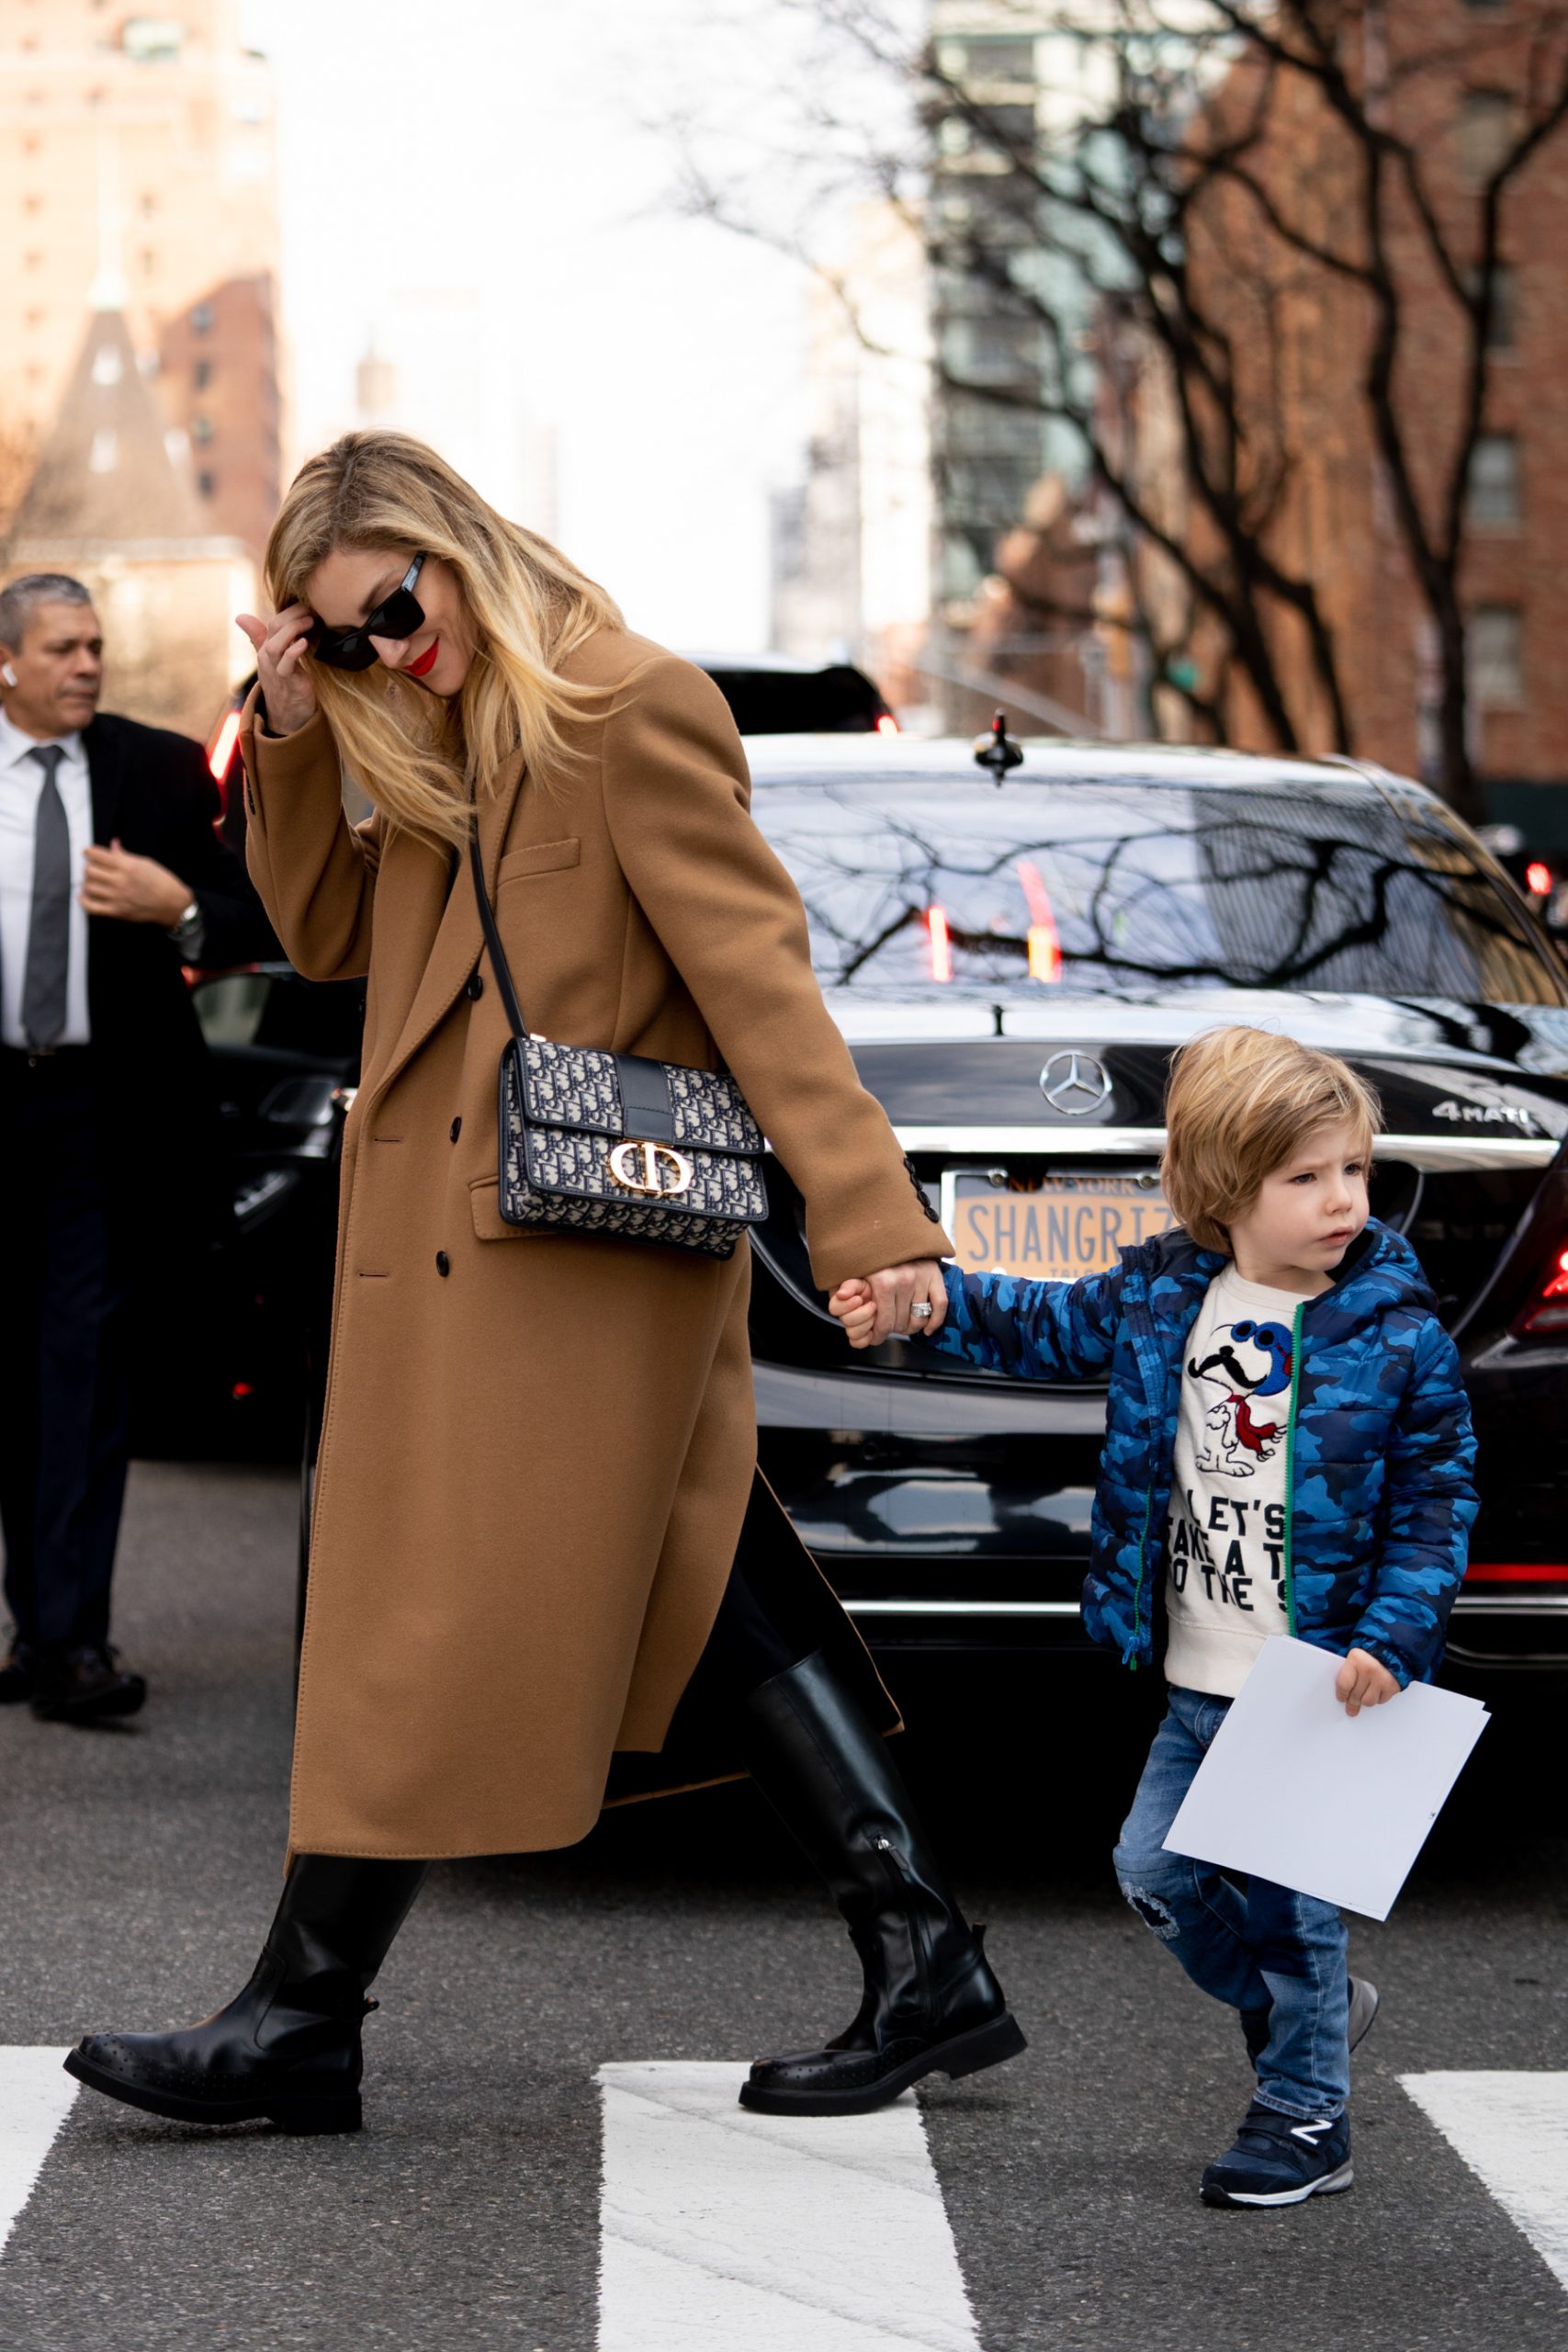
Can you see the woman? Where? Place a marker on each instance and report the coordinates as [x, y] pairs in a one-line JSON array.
[[540, 1538]]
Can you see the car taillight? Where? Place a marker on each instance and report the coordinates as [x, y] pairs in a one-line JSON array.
[[888, 724], [942, 945], [1538, 878], [1517, 1572], [1548, 1311], [220, 751]]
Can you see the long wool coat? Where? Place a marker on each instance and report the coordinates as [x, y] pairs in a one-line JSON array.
[[539, 1450]]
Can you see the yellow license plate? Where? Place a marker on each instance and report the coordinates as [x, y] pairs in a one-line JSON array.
[[1060, 1228]]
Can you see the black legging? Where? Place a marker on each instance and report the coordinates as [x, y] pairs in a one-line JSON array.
[[744, 1648]]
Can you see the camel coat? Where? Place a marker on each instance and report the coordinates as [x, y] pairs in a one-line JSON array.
[[539, 1450]]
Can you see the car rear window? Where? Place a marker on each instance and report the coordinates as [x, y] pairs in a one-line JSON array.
[[1125, 889]]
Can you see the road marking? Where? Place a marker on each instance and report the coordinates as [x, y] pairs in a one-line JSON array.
[[1512, 2130], [783, 2234], [35, 2099]]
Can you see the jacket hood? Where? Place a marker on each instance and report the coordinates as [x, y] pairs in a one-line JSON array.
[[1379, 1270]]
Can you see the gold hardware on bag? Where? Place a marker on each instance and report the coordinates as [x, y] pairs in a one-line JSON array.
[[649, 1156]]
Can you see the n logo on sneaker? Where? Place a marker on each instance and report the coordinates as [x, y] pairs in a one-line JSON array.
[[1312, 2132]]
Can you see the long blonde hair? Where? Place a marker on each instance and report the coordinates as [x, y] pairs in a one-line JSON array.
[[421, 763]]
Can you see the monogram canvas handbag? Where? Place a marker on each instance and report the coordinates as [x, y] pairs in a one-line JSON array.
[[614, 1144]]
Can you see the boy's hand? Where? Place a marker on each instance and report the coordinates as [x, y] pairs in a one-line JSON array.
[[856, 1310], [1362, 1681], [870, 1307]]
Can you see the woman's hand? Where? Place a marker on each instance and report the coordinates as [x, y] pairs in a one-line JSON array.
[[1364, 1682], [870, 1307], [280, 664]]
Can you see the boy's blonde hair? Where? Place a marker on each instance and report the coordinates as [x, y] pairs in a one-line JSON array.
[[1237, 1103]]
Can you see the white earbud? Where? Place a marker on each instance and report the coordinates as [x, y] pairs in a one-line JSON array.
[[8, 675]]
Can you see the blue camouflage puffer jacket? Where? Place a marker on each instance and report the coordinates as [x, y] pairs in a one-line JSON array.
[[1379, 1449]]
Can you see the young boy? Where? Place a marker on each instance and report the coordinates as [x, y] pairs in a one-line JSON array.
[[1288, 1450]]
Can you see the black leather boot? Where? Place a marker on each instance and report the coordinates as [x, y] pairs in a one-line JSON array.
[[931, 2003], [287, 2048]]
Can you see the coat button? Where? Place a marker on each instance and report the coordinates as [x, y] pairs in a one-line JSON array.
[[443, 1262], [477, 985], [456, 1129]]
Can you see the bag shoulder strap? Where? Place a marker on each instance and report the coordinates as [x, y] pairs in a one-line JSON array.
[[499, 964]]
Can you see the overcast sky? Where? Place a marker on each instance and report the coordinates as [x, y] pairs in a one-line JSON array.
[[501, 151]]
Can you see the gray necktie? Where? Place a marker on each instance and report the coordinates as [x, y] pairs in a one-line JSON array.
[[49, 932]]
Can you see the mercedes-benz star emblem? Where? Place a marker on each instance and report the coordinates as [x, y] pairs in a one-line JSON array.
[[1074, 1084]]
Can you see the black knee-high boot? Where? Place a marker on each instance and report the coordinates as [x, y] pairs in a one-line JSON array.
[[931, 2003], [287, 2047]]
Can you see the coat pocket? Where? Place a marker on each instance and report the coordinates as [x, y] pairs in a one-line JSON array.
[[538, 857], [484, 1198]]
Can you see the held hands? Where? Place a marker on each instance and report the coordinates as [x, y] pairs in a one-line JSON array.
[[871, 1307], [133, 889], [281, 666], [1363, 1682]]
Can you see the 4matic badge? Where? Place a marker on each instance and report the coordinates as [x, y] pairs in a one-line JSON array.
[[1476, 1114]]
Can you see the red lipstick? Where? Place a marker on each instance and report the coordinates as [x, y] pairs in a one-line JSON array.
[[426, 663]]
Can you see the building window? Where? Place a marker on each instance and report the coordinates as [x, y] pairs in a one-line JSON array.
[[107, 366], [1000, 59], [201, 374], [33, 260], [1492, 488], [1502, 326], [1488, 126], [1493, 663], [207, 483], [104, 455], [1011, 129], [201, 429], [152, 40], [149, 262], [201, 319]]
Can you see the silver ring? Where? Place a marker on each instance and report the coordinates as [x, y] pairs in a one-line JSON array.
[[921, 1314]]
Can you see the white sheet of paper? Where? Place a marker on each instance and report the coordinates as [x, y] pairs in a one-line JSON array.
[[1296, 1791]]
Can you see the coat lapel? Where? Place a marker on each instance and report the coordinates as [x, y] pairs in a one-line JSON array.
[[105, 777], [458, 940]]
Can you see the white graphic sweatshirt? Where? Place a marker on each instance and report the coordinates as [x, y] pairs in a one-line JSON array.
[[1225, 1535]]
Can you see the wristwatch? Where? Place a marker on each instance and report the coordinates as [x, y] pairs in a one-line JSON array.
[[189, 933]]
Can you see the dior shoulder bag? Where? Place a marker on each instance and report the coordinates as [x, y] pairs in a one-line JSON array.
[[614, 1144]]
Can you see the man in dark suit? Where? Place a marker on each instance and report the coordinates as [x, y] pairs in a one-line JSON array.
[[112, 878]]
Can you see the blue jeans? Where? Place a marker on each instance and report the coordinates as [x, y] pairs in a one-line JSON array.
[[1270, 1951]]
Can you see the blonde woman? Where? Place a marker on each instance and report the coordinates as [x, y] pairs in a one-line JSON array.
[[541, 1541]]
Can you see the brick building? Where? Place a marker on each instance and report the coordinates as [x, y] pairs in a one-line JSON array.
[[110, 504], [138, 170], [1450, 77]]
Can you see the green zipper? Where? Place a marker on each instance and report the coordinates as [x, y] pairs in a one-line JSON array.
[[1290, 1460], [1130, 1658]]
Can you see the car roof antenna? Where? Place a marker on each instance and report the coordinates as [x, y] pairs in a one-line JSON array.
[[997, 751]]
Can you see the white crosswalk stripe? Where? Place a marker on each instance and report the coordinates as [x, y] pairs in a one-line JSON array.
[[1512, 2130], [35, 2098], [779, 2233]]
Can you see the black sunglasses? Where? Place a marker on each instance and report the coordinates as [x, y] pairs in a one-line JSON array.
[[350, 648]]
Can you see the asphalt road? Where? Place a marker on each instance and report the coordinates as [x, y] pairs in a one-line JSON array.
[[141, 1866]]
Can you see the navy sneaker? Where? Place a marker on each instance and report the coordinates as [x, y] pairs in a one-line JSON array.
[[1365, 2001], [1281, 2160]]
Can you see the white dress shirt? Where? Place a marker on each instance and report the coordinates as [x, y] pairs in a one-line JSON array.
[[21, 784]]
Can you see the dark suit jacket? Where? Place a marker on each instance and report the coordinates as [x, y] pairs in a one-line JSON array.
[[152, 793]]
